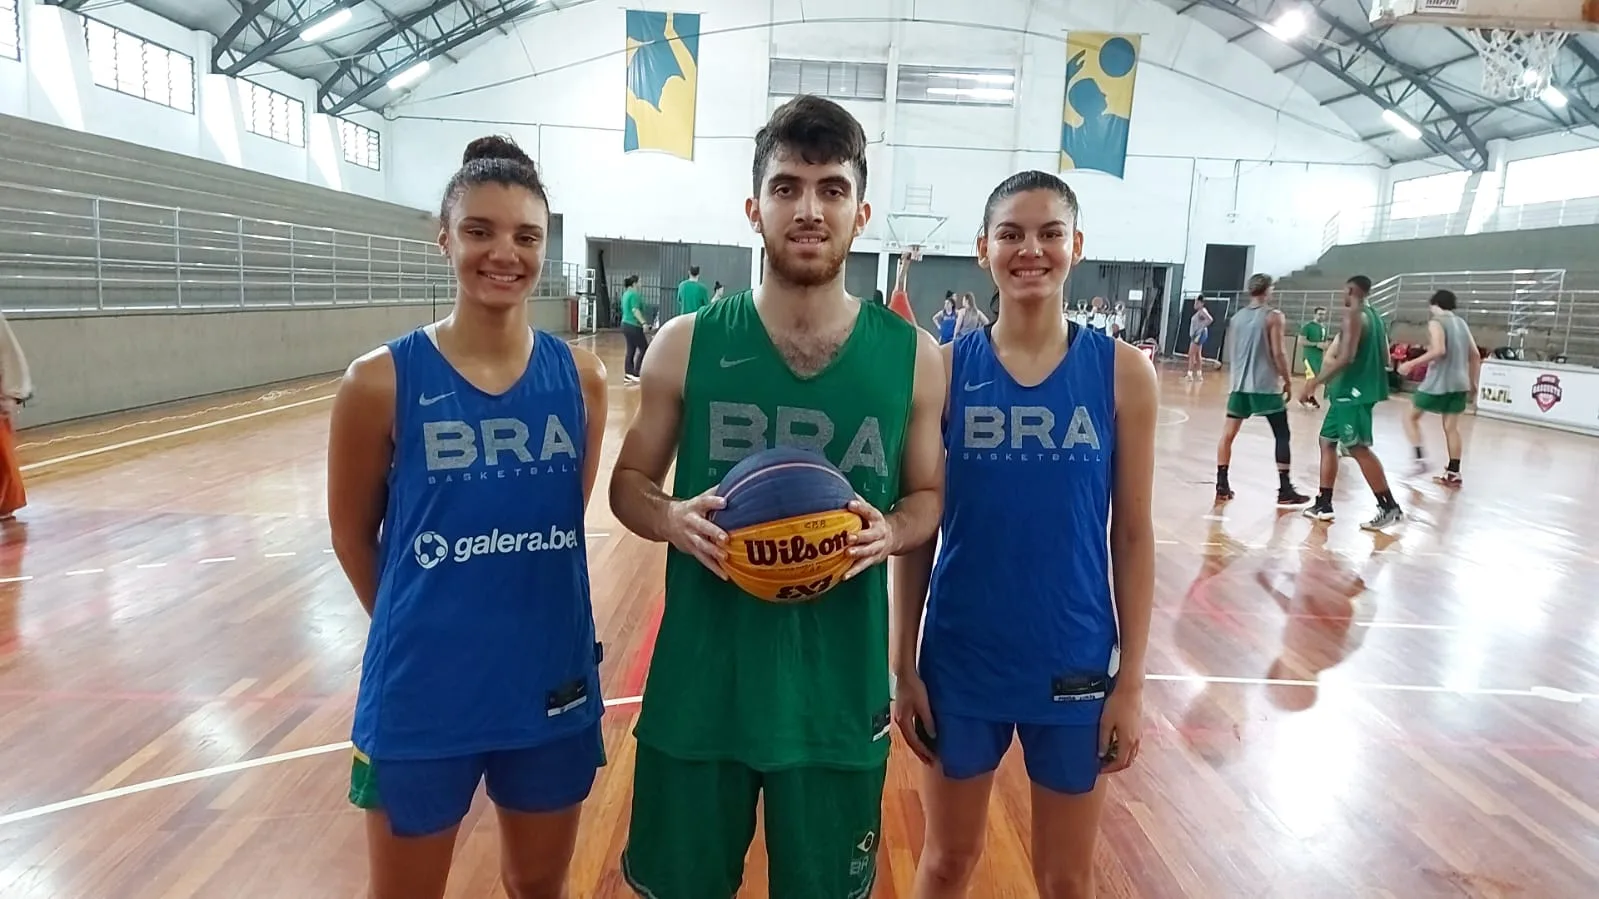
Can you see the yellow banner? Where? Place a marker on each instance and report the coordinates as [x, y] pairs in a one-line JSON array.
[[663, 77], [1101, 70]]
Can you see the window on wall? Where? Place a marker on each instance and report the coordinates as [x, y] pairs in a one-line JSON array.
[[361, 145], [826, 78], [965, 87], [1432, 195], [132, 65], [1551, 179], [271, 114], [10, 30]]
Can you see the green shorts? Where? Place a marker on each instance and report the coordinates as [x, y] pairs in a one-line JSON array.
[[1441, 403], [1248, 405], [693, 822], [1348, 424]]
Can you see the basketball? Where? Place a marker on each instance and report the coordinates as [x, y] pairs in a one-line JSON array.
[[787, 524]]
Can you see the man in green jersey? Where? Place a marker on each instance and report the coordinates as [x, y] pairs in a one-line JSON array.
[[691, 294], [747, 699], [1314, 333], [1356, 375]]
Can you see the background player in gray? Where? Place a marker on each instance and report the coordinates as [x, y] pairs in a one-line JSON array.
[[1450, 384], [1261, 383]]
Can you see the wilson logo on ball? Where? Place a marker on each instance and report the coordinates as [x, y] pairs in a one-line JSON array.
[[795, 550]]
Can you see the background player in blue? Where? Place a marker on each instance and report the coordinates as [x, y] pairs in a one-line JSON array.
[[460, 461], [1051, 430]]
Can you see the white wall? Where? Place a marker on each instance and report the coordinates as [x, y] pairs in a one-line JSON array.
[[52, 84], [1221, 150]]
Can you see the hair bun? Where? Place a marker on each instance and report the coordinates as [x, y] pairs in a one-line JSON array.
[[495, 147]]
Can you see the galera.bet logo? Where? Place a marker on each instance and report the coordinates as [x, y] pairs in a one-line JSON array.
[[432, 548]]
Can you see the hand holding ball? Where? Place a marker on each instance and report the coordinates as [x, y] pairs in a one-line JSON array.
[[789, 523]]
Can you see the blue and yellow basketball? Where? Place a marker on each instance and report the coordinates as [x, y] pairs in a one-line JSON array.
[[787, 524]]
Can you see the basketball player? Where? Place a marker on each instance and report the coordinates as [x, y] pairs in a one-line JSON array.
[[1450, 384], [460, 460], [1314, 333], [1356, 375], [1198, 333], [1261, 385], [1051, 431], [748, 699]]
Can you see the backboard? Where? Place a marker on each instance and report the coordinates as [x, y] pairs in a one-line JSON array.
[[1509, 15], [1518, 40]]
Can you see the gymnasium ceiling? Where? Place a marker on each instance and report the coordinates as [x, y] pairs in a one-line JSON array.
[[1429, 74]]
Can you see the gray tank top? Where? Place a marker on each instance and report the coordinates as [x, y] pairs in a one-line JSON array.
[[1452, 373], [1250, 364]]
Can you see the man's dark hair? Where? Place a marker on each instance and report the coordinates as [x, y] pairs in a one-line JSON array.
[[817, 131], [1319, 309], [694, 271], [1362, 283], [1445, 300], [630, 280]]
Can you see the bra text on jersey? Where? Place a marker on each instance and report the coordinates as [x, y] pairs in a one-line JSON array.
[[457, 446], [1026, 428], [741, 429]]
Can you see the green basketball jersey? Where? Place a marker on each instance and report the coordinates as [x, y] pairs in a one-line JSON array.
[[1365, 379], [775, 685]]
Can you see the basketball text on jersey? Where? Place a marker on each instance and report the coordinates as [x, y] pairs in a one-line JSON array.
[[453, 446], [739, 429], [988, 428]]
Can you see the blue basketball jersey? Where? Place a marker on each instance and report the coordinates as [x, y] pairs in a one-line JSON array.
[[1020, 625], [483, 635]]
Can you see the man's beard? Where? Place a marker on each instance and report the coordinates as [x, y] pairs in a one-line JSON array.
[[813, 272]]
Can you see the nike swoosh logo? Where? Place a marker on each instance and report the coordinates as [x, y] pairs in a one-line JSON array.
[[425, 400], [729, 363], [971, 387]]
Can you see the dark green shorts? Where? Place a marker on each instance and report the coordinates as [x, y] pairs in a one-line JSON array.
[[1248, 405], [1349, 424], [693, 822], [1441, 403]]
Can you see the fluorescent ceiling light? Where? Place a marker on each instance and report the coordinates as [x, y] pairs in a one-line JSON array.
[[1553, 97], [979, 77], [976, 93], [409, 75], [1401, 124], [1288, 26], [327, 26]]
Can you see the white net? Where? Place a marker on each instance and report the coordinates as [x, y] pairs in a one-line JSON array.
[[1518, 64]]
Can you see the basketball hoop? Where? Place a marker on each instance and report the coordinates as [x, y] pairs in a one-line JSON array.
[[916, 252], [1518, 64]]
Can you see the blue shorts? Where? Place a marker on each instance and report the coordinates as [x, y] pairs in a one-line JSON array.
[[1200, 338], [1062, 758], [428, 796]]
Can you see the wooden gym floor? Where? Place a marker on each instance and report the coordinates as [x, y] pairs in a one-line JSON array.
[[1330, 713]]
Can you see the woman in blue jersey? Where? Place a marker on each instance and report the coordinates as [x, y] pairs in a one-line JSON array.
[[1050, 432], [460, 461]]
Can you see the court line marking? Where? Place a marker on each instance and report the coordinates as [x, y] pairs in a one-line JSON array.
[[1536, 692], [151, 438], [146, 786]]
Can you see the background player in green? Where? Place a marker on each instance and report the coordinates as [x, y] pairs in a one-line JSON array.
[[691, 294], [1260, 384], [1356, 374], [634, 323], [1316, 340], [1450, 384], [783, 702]]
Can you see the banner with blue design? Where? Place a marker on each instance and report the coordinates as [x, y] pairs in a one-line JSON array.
[[663, 77], [1101, 70]]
